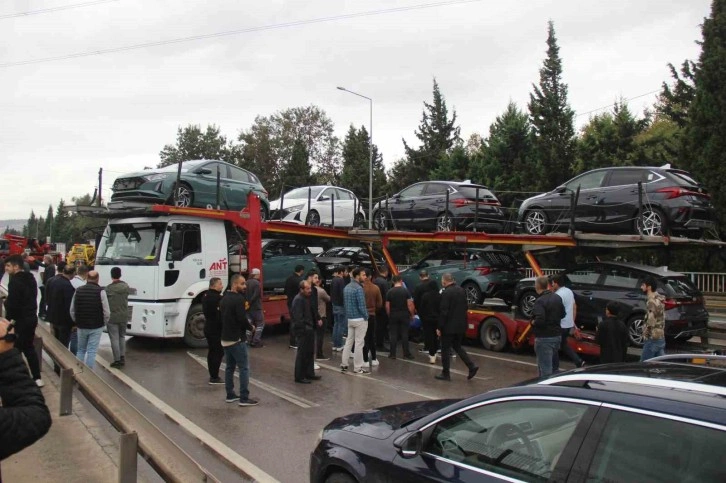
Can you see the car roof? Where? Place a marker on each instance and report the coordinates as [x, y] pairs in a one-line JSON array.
[[658, 271]]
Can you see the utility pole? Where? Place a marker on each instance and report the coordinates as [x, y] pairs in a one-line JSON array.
[[100, 186]]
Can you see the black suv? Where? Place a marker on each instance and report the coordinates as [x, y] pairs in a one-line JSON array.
[[647, 422], [610, 201], [595, 284], [422, 207]]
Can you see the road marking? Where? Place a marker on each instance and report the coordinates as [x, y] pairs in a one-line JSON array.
[[225, 452], [524, 363], [379, 381], [297, 400], [455, 371]]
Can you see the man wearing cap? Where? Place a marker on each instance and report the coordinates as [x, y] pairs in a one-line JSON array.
[[254, 297]]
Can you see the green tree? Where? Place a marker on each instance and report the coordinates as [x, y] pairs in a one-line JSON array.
[[552, 120], [356, 165], [48, 226], [62, 223], [454, 165], [437, 133], [675, 100], [706, 134], [193, 143], [31, 226], [297, 171]]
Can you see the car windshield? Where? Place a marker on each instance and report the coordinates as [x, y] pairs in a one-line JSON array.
[[131, 244], [302, 193], [679, 287], [683, 178]]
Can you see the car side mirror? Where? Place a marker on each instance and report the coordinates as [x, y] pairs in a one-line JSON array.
[[396, 197], [324, 198], [409, 445], [560, 189]]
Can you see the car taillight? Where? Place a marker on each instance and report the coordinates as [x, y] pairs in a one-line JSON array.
[[485, 270], [459, 202], [670, 304], [676, 192]]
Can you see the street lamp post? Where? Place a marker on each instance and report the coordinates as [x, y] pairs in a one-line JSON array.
[[370, 152]]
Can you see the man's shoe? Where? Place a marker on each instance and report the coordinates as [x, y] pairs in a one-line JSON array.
[[322, 358], [443, 377], [472, 372], [316, 366], [215, 380], [361, 371], [392, 356], [432, 359], [302, 381], [292, 346], [39, 383], [257, 345], [116, 364], [248, 402], [374, 362], [231, 399], [410, 357], [315, 378], [343, 368]]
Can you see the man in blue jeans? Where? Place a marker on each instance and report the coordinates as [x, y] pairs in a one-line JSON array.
[[90, 311], [234, 340], [654, 327], [548, 312]]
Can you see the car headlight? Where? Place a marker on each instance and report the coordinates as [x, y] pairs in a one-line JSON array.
[[156, 177], [295, 208], [330, 267]]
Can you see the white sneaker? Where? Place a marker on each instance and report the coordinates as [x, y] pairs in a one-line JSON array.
[[39, 383], [374, 362], [361, 371], [432, 359], [316, 366]]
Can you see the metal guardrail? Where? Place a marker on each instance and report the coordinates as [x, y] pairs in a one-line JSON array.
[[164, 456]]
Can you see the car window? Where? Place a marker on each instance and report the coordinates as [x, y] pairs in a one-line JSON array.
[[433, 189], [344, 194], [587, 181], [414, 190], [239, 175], [683, 178], [636, 447], [329, 192], [617, 277], [520, 439], [678, 287], [184, 239], [584, 276], [469, 192], [214, 167], [621, 177]]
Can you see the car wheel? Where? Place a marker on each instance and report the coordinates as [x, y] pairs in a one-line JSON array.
[[535, 222], [359, 221], [380, 221], [313, 218], [340, 477], [636, 324], [493, 334], [444, 222], [651, 222], [473, 293], [526, 303], [194, 328], [184, 196]]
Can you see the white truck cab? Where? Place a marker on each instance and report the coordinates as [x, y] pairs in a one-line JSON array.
[[168, 260]]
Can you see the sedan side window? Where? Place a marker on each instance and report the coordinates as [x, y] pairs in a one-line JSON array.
[[587, 181], [584, 276], [520, 439], [344, 195], [636, 447], [413, 191], [239, 175]]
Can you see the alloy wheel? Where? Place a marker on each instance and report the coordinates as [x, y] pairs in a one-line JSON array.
[[313, 219], [535, 222], [635, 330], [444, 223], [650, 223], [183, 196]]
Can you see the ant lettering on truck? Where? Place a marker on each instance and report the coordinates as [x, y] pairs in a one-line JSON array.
[[220, 265]]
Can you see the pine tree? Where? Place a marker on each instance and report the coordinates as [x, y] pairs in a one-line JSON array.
[[553, 120], [61, 223], [48, 227], [297, 170], [707, 130], [356, 165]]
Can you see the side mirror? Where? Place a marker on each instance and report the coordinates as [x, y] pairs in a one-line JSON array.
[[560, 189], [409, 445], [324, 198]]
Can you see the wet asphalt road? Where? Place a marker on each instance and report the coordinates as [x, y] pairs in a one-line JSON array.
[[278, 435]]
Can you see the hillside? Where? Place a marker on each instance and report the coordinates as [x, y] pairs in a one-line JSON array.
[[13, 224]]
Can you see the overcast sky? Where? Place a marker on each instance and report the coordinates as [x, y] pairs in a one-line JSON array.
[[60, 121]]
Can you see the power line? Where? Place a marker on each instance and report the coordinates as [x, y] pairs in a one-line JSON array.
[[616, 103], [261, 28], [53, 9]]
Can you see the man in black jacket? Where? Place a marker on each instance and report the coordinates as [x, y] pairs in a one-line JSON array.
[[21, 305], [234, 340], [612, 335], [548, 312], [24, 417], [381, 280], [292, 287], [213, 329], [452, 326], [59, 295], [48, 273], [304, 310], [426, 301], [91, 312]]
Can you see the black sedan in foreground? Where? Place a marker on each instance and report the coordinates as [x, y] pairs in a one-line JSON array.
[[647, 422]]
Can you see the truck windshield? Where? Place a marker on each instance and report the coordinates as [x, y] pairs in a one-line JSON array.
[[131, 244]]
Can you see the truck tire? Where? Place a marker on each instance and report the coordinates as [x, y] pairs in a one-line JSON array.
[[194, 328], [493, 334]]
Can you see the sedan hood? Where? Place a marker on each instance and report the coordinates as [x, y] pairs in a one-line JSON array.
[[382, 422], [275, 204], [333, 260]]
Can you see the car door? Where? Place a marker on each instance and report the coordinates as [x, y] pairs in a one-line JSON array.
[[428, 206], [586, 211], [205, 185], [401, 205], [650, 447], [511, 439], [622, 285], [323, 205], [583, 280], [618, 199], [344, 208], [237, 185]]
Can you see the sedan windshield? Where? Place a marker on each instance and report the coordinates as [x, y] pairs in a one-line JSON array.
[[302, 193], [131, 244]]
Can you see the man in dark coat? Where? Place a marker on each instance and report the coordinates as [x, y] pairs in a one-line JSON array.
[[452, 326], [426, 300], [59, 294], [24, 417], [48, 273], [213, 329], [292, 287], [304, 321], [548, 312], [21, 305], [612, 335], [381, 280]]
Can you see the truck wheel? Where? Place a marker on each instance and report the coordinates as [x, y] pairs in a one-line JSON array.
[[493, 334], [194, 328]]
